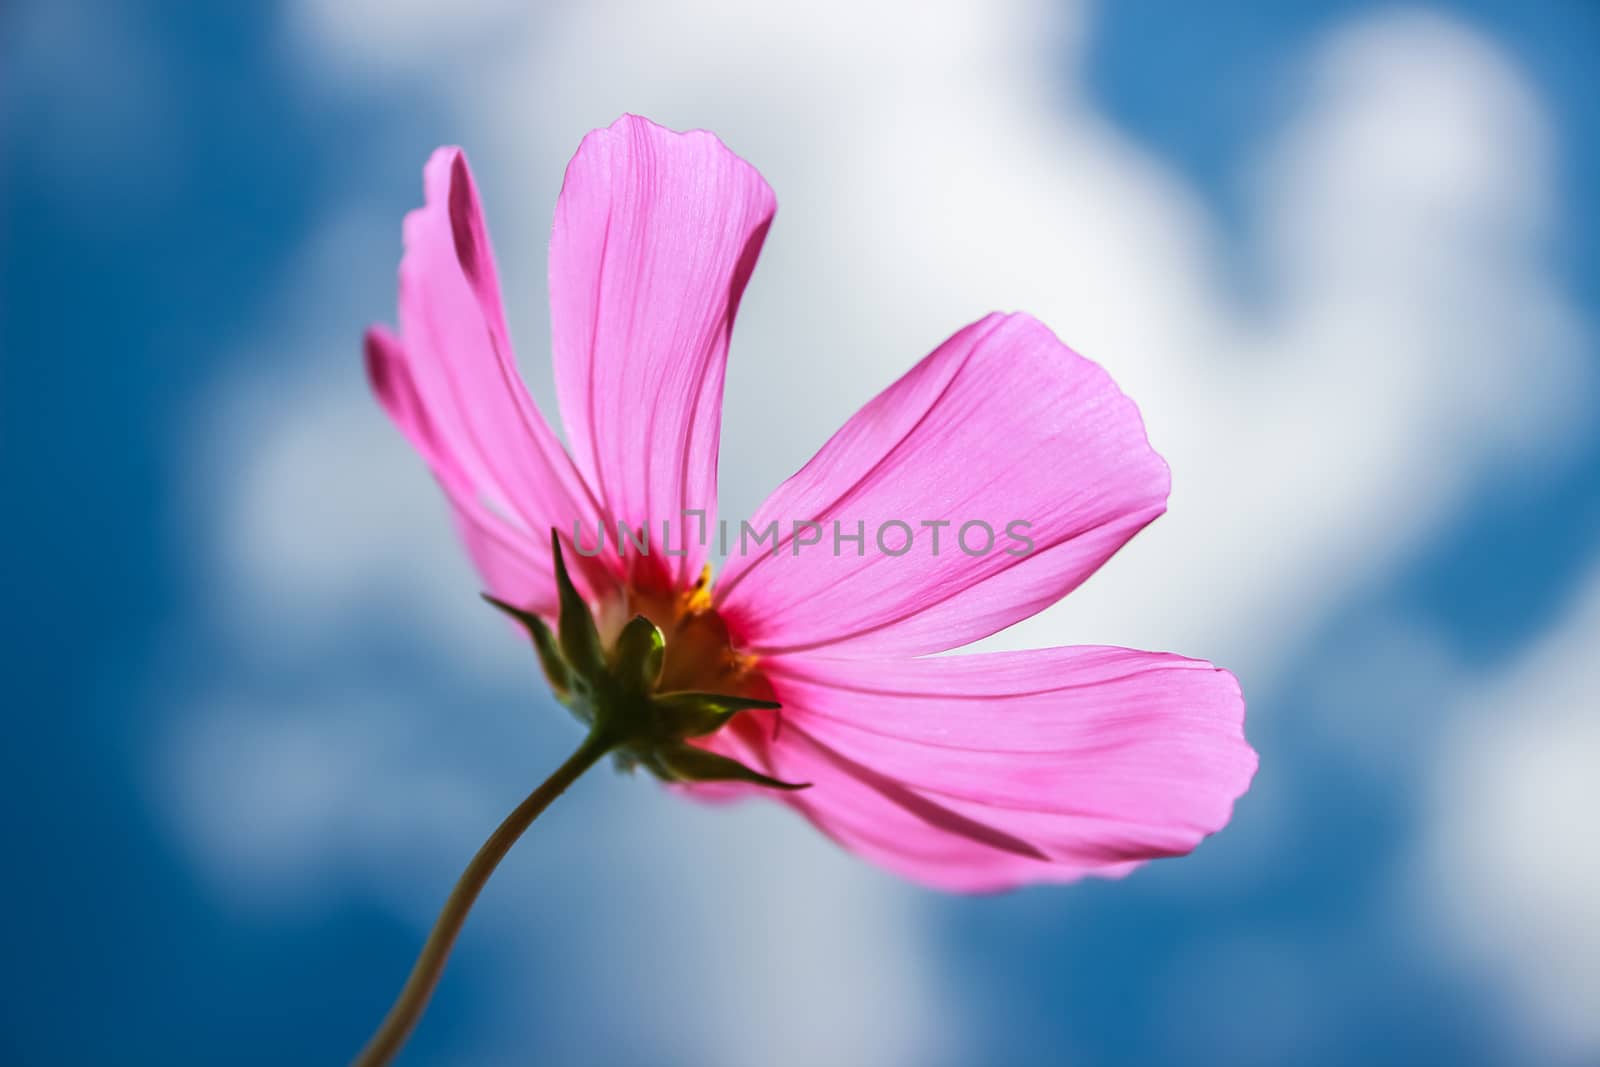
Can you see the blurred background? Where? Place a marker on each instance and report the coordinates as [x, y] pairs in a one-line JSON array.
[[1344, 254]]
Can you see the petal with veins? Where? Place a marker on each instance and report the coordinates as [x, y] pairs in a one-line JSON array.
[[1002, 423], [984, 771], [450, 382], [655, 236]]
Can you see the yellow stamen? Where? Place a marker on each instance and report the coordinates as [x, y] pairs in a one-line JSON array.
[[697, 598]]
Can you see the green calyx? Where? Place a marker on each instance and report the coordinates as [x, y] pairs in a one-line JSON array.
[[614, 694]]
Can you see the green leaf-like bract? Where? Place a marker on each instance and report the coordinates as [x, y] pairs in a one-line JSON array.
[[580, 641], [686, 763], [698, 714], [556, 671]]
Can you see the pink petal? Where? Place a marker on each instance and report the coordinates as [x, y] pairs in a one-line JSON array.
[[656, 234], [1001, 423], [981, 772], [450, 383], [506, 556]]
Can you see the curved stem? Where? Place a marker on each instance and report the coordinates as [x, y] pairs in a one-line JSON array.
[[413, 999]]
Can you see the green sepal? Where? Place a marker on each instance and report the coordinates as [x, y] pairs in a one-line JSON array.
[[579, 638], [698, 714], [686, 763], [556, 671], [640, 650]]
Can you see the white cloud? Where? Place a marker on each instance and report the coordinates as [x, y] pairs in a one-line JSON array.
[[360, 39], [318, 520], [1511, 877], [361, 782], [930, 165], [798, 953], [931, 169]]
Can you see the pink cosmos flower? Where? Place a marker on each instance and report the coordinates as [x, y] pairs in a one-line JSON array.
[[968, 772]]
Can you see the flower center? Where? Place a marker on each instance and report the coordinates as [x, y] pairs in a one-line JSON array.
[[700, 656], [649, 674]]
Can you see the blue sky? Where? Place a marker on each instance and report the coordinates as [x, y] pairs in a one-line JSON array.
[[251, 736]]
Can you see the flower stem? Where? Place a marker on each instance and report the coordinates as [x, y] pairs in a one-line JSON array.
[[408, 1007]]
